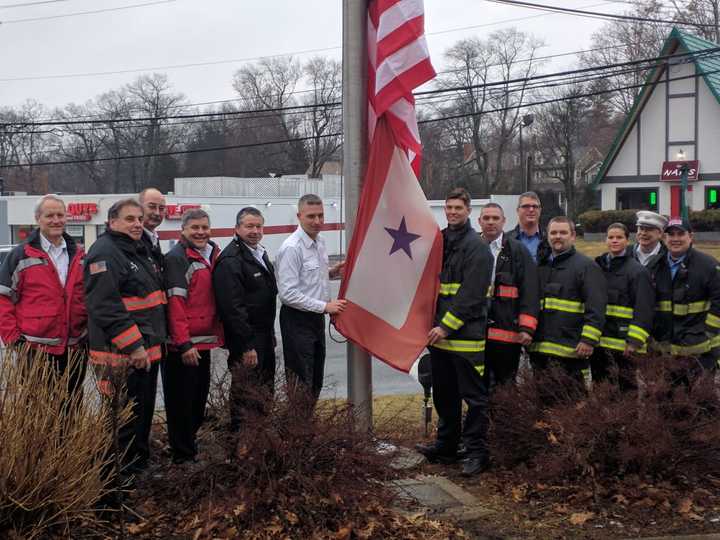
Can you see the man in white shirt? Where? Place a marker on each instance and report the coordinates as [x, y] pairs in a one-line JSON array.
[[303, 279]]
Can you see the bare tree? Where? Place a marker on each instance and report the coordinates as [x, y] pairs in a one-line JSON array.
[[324, 77]]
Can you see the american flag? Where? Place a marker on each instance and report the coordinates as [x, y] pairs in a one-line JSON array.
[[395, 255], [399, 62]]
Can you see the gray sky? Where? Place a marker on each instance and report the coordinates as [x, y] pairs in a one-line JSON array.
[[198, 31]]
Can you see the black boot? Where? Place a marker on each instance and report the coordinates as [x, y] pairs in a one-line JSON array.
[[436, 453]]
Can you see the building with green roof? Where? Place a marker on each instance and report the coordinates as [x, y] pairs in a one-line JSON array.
[[675, 118]]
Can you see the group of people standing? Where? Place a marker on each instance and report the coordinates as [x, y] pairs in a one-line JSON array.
[[530, 289], [135, 312]]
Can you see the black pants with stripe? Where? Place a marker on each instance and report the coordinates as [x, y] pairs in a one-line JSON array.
[[252, 388], [135, 435], [501, 362], [303, 338], [455, 379], [186, 391]]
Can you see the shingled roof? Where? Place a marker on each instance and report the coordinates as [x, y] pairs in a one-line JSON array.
[[707, 65]]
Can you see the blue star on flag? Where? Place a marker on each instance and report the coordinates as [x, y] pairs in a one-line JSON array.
[[402, 238]]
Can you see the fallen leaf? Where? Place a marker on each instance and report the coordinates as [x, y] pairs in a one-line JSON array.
[[518, 493], [647, 502], [541, 425], [684, 506], [292, 518], [581, 517], [137, 528], [552, 438], [695, 517], [560, 508], [344, 533], [618, 498]]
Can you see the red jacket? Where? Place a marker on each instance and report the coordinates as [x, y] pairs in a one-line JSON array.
[[34, 305], [192, 317]]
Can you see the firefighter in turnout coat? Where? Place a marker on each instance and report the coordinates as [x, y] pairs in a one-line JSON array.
[[573, 301], [457, 342], [126, 321]]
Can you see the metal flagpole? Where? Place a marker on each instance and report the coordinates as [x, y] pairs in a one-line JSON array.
[[355, 146]]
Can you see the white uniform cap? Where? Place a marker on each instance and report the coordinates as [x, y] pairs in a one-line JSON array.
[[651, 219]]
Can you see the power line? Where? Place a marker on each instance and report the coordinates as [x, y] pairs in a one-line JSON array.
[[170, 153], [595, 14], [251, 59], [29, 4], [89, 12]]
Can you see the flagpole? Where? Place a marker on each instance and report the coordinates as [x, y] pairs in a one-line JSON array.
[[355, 60]]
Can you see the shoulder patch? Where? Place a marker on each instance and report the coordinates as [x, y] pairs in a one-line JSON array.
[[97, 267]]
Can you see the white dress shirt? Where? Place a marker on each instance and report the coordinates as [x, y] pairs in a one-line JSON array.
[[302, 272], [206, 252], [495, 249], [643, 257], [58, 255], [257, 252], [154, 238]]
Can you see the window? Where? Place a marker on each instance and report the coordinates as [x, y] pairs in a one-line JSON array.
[[712, 197], [637, 199]]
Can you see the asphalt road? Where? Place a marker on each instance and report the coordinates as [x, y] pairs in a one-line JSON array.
[[386, 380]]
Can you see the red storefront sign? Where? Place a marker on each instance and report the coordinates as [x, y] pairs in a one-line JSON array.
[[175, 211], [672, 170], [81, 211]]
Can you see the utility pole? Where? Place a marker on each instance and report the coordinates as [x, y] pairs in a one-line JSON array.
[[355, 145]]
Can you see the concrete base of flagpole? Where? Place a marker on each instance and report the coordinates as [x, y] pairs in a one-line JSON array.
[[359, 370]]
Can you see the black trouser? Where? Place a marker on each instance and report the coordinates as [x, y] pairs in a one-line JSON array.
[[186, 391], [501, 362], [575, 371], [303, 338], [252, 389], [613, 366], [455, 379], [135, 435]]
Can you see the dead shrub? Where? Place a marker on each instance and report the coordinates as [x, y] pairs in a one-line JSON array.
[[54, 449], [671, 426]]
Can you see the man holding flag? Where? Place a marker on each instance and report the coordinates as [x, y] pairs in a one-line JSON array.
[[457, 342]]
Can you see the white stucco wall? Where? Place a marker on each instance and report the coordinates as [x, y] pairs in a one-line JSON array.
[[652, 138], [626, 162], [708, 130]]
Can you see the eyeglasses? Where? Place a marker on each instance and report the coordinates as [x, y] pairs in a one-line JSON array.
[[529, 206]]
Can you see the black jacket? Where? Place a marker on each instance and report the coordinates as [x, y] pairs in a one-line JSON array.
[[246, 295], [125, 299], [464, 282], [687, 317], [573, 300], [544, 250], [631, 302], [515, 298]]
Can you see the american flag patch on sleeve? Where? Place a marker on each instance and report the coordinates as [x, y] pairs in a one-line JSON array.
[[98, 267]]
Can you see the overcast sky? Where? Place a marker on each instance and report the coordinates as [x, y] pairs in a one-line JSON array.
[[199, 31]]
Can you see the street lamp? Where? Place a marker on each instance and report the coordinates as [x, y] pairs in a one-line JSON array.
[[684, 215], [526, 121]]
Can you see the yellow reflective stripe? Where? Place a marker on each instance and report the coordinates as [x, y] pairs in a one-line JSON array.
[[689, 309], [555, 349], [712, 320], [451, 321], [558, 304], [690, 350], [638, 333], [621, 312], [589, 331], [617, 344], [715, 342], [460, 345], [612, 343], [665, 305], [449, 289]]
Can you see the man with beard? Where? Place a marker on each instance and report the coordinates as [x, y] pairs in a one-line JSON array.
[[573, 300], [195, 330]]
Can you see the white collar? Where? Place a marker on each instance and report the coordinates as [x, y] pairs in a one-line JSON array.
[[305, 237], [47, 245]]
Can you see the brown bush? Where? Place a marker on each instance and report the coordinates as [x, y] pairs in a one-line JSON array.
[[53, 464], [671, 427]]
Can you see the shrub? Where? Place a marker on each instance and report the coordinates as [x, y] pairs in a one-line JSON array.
[[670, 428], [53, 468], [597, 221]]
